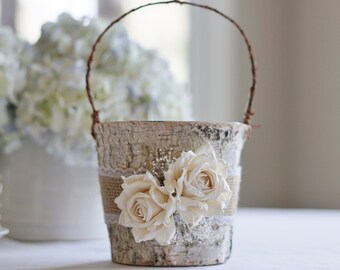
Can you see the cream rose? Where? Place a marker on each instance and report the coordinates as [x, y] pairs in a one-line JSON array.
[[147, 208], [199, 183]]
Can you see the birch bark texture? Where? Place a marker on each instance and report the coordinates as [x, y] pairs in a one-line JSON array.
[[134, 147]]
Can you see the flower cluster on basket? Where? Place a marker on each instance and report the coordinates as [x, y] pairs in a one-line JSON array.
[[42, 87], [195, 187]]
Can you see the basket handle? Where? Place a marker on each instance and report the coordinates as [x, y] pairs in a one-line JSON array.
[[248, 111]]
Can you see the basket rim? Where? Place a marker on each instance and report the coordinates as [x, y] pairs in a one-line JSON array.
[[179, 123]]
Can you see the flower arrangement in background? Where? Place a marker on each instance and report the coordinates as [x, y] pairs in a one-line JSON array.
[[129, 83], [15, 57]]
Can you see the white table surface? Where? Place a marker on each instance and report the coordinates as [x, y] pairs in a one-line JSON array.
[[263, 239]]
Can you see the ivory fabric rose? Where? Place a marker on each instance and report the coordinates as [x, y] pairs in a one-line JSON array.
[[147, 208], [199, 181]]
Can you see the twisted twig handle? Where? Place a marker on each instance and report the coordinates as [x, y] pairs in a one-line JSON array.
[[248, 111]]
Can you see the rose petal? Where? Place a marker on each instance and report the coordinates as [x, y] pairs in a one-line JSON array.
[[220, 205], [152, 209], [140, 186], [133, 179], [157, 220], [170, 181], [125, 220], [190, 210], [193, 216], [159, 195], [180, 181], [154, 230], [121, 201], [166, 233], [171, 207], [150, 178], [142, 234]]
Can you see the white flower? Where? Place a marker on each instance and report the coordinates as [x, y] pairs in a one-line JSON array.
[[199, 181], [147, 208], [128, 83], [195, 186], [15, 56]]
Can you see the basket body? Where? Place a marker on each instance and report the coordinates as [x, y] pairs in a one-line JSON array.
[[127, 148]]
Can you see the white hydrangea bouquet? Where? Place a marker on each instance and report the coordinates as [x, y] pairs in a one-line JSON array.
[[15, 58], [131, 84]]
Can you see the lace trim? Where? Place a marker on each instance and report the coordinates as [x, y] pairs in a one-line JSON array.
[[220, 220], [118, 172]]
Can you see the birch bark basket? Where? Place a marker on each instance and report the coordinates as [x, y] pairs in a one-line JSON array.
[[126, 148], [137, 147]]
